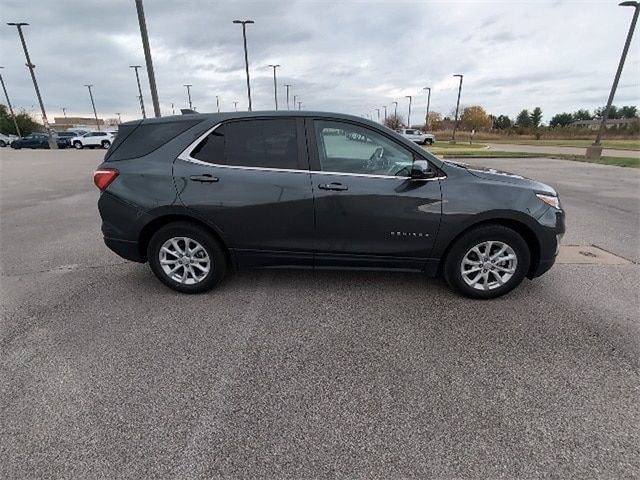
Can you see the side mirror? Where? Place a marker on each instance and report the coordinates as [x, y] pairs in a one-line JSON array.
[[421, 170]]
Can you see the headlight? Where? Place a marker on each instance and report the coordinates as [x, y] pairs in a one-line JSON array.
[[549, 200]]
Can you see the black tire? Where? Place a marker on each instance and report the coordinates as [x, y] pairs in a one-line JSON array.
[[215, 251], [3, 143], [77, 145], [452, 265], [105, 144]]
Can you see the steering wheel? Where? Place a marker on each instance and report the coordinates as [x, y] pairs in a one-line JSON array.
[[376, 161]]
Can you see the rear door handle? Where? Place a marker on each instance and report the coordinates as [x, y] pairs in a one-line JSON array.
[[206, 178], [333, 186]]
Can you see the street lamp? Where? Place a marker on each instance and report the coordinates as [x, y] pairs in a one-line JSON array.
[[455, 125], [147, 57], [385, 112], [299, 105], [119, 119], [64, 112], [93, 105], [15, 122], [173, 110], [136, 67], [246, 56], [287, 86], [189, 95], [395, 111], [275, 84], [378, 110], [595, 150], [426, 122], [218, 103], [294, 101], [409, 116], [236, 105], [52, 143]]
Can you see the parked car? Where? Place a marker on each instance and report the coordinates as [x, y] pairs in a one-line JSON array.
[[199, 194], [64, 139], [92, 140], [417, 136], [33, 140], [5, 140]]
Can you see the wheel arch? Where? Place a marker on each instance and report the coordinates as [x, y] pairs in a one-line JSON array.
[[519, 227]]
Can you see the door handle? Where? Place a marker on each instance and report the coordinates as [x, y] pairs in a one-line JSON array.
[[333, 186], [206, 178]]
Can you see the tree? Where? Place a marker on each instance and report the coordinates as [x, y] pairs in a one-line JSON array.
[[561, 120], [523, 120], [26, 124], [434, 121], [503, 122], [536, 117], [629, 112], [582, 114], [613, 112], [475, 118], [394, 122]]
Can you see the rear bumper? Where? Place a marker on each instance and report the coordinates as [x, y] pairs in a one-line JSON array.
[[127, 249]]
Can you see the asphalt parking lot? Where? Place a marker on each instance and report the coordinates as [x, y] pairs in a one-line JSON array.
[[105, 373]]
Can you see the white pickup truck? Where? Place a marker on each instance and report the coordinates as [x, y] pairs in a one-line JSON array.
[[417, 136]]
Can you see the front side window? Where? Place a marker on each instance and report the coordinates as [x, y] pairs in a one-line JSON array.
[[270, 143], [349, 148]]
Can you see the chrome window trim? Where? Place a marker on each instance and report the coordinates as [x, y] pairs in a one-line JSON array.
[[185, 156]]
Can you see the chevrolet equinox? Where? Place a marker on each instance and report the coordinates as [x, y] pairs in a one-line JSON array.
[[196, 195]]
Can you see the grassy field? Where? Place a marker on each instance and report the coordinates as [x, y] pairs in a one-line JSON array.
[[633, 144]]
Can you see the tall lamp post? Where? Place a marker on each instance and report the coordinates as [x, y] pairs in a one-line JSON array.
[[426, 122], [294, 101], [6, 95], [93, 105], [409, 116], [287, 86], [64, 112], [236, 105], [395, 111], [119, 118], [52, 143], [299, 105], [455, 125], [189, 95], [378, 110], [385, 112], [136, 67], [595, 150], [147, 57], [246, 56], [275, 84], [218, 103]]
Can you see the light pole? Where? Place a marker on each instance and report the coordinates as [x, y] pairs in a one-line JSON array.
[[218, 103], [409, 116], [173, 110], [426, 122], [147, 58], [189, 95], [119, 119], [275, 84], [595, 150], [299, 105], [294, 101], [395, 112], [287, 86], [246, 56], [15, 122], [455, 125], [93, 105], [385, 112], [236, 104], [136, 67], [64, 112], [378, 110], [52, 143]]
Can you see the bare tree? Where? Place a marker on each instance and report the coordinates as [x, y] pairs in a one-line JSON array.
[[394, 122]]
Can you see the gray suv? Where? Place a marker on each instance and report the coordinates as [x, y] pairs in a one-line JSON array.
[[196, 195]]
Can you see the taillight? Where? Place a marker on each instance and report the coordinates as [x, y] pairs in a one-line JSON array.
[[104, 176]]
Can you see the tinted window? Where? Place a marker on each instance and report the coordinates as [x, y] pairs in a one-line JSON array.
[[349, 148], [252, 143]]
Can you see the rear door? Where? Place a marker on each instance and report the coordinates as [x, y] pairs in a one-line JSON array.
[[250, 180], [368, 211]]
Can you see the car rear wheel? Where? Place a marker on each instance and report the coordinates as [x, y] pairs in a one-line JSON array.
[[186, 258], [3, 143], [487, 262], [78, 145], [105, 144]]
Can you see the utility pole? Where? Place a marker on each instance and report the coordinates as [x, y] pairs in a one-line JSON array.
[[455, 125], [136, 67], [189, 95], [52, 143], [246, 56], [6, 95], [147, 58], [409, 116], [93, 105], [218, 103], [287, 86], [595, 150], [275, 84], [426, 122]]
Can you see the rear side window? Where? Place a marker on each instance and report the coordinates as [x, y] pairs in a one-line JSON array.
[[270, 143], [146, 138]]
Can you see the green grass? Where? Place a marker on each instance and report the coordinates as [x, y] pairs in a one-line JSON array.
[[459, 145], [633, 144], [615, 161]]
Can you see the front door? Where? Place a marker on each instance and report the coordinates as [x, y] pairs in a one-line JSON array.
[[249, 179], [369, 212]]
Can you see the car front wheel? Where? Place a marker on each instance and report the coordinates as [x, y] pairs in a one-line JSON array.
[[105, 144], [77, 145], [3, 143], [487, 262], [186, 258]]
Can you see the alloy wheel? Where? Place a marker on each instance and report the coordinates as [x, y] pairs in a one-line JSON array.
[[184, 260], [488, 265]]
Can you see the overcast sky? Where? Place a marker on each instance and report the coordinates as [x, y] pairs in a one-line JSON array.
[[345, 56]]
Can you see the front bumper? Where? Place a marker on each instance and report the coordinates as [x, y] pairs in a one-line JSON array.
[[553, 228]]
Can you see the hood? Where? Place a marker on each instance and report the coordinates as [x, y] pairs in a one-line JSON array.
[[506, 177]]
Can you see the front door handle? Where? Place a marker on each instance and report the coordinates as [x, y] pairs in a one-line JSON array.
[[333, 186], [206, 178]]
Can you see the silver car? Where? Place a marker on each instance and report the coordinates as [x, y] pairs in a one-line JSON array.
[[417, 136]]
